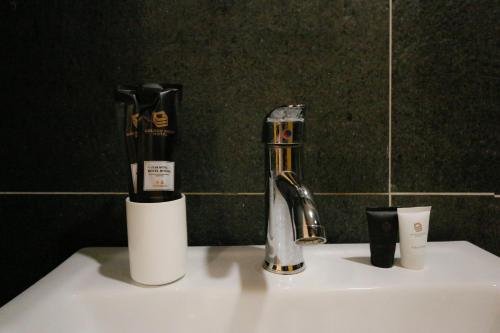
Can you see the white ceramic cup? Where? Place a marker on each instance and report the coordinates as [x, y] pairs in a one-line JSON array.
[[157, 240]]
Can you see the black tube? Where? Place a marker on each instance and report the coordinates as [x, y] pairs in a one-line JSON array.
[[158, 132], [126, 102], [383, 232]]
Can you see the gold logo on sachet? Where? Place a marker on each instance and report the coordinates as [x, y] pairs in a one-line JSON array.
[[418, 227], [135, 119], [160, 119]]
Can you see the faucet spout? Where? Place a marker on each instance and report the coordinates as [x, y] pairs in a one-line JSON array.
[[304, 216]]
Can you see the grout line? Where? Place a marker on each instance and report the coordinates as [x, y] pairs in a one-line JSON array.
[[451, 194], [225, 193], [349, 193], [194, 193], [459, 194], [63, 193], [389, 149]]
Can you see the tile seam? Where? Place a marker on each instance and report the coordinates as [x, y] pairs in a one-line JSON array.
[[60, 193], [449, 194], [482, 194], [389, 153], [350, 193]]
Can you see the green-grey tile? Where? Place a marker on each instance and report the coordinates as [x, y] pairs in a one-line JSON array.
[[446, 92], [238, 61], [61, 132], [226, 220], [344, 217], [240, 220], [38, 232]]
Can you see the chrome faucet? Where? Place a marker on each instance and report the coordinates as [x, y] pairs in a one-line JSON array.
[[292, 217]]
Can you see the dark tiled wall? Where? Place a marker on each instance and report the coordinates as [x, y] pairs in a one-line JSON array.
[[237, 61], [446, 129]]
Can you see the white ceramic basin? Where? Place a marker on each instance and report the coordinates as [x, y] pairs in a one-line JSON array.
[[225, 290]]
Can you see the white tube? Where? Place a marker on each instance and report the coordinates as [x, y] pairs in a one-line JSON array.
[[413, 230]]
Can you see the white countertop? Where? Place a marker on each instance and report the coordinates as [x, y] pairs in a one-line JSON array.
[[92, 292]]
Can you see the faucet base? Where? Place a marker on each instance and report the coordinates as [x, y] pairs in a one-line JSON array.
[[284, 270]]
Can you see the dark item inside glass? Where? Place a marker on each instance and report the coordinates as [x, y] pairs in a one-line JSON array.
[[151, 134]]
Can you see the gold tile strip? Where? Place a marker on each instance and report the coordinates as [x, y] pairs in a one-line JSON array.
[[63, 193], [456, 194], [224, 193], [349, 193]]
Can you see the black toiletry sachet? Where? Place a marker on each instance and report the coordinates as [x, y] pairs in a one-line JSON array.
[[126, 102], [383, 233], [154, 129], [157, 142]]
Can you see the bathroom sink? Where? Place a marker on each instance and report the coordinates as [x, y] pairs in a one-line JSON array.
[[226, 290]]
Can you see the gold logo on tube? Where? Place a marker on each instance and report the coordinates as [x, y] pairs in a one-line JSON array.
[[160, 119]]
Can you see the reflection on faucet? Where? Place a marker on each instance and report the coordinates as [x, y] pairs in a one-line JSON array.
[[292, 217]]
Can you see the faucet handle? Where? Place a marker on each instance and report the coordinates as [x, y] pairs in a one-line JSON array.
[[285, 125], [287, 113]]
